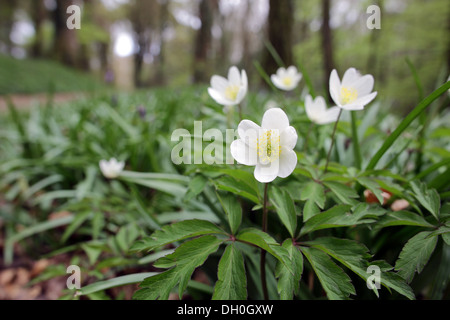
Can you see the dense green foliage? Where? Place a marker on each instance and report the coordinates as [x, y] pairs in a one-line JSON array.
[[161, 222], [37, 76]]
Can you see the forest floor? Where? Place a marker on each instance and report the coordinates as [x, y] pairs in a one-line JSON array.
[[26, 101]]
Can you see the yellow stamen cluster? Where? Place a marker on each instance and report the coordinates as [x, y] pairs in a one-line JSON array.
[[268, 146], [287, 81], [231, 92], [348, 95]]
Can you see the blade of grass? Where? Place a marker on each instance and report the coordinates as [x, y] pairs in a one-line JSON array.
[[40, 227], [432, 168], [273, 52], [422, 118], [405, 123], [355, 140]]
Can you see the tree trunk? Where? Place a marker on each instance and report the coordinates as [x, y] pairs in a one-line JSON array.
[[280, 23], [39, 14], [327, 44], [203, 41], [66, 44], [7, 9], [164, 14]]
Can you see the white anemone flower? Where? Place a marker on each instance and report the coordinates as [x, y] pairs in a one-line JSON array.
[[286, 79], [268, 147], [111, 169], [355, 90], [317, 111], [231, 91]]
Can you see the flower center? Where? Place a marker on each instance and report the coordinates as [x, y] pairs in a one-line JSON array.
[[287, 81], [268, 146], [231, 92], [348, 95]]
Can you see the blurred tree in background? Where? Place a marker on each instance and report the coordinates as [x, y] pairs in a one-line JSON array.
[[186, 41]]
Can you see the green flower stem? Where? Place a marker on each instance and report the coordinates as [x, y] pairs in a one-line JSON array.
[[332, 141], [240, 112], [356, 149], [305, 146], [263, 252], [230, 116]]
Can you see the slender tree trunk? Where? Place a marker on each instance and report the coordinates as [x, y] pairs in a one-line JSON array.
[[164, 14], [7, 8], [280, 23], [39, 15], [246, 35], [203, 41], [144, 44], [66, 44], [327, 43]]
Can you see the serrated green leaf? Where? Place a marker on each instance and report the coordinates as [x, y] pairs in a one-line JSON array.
[[79, 219], [373, 186], [231, 279], [289, 283], [232, 209], [429, 198], [446, 238], [195, 187], [334, 280], [313, 191], [243, 177], [176, 232], [343, 192], [229, 184], [402, 218], [186, 258], [285, 208], [350, 253], [126, 236], [392, 280], [415, 255], [310, 209], [341, 216], [266, 242]]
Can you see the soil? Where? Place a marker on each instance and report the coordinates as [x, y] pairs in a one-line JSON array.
[[24, 101]]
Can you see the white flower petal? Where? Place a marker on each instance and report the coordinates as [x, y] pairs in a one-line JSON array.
[[281, 72], [292, 71], [330, 116], [277, 82], [111, 169], [350, 77], [219, 83], [234, 77], [240, 95], [297, 78], [288, 138], [352, 107], [244, 80], [364, 85], [243, 154], [335, 87], [288, 162], [359, 103], [309, 106], [266, 173], [275, 118], [248, 131], [219, 98]]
